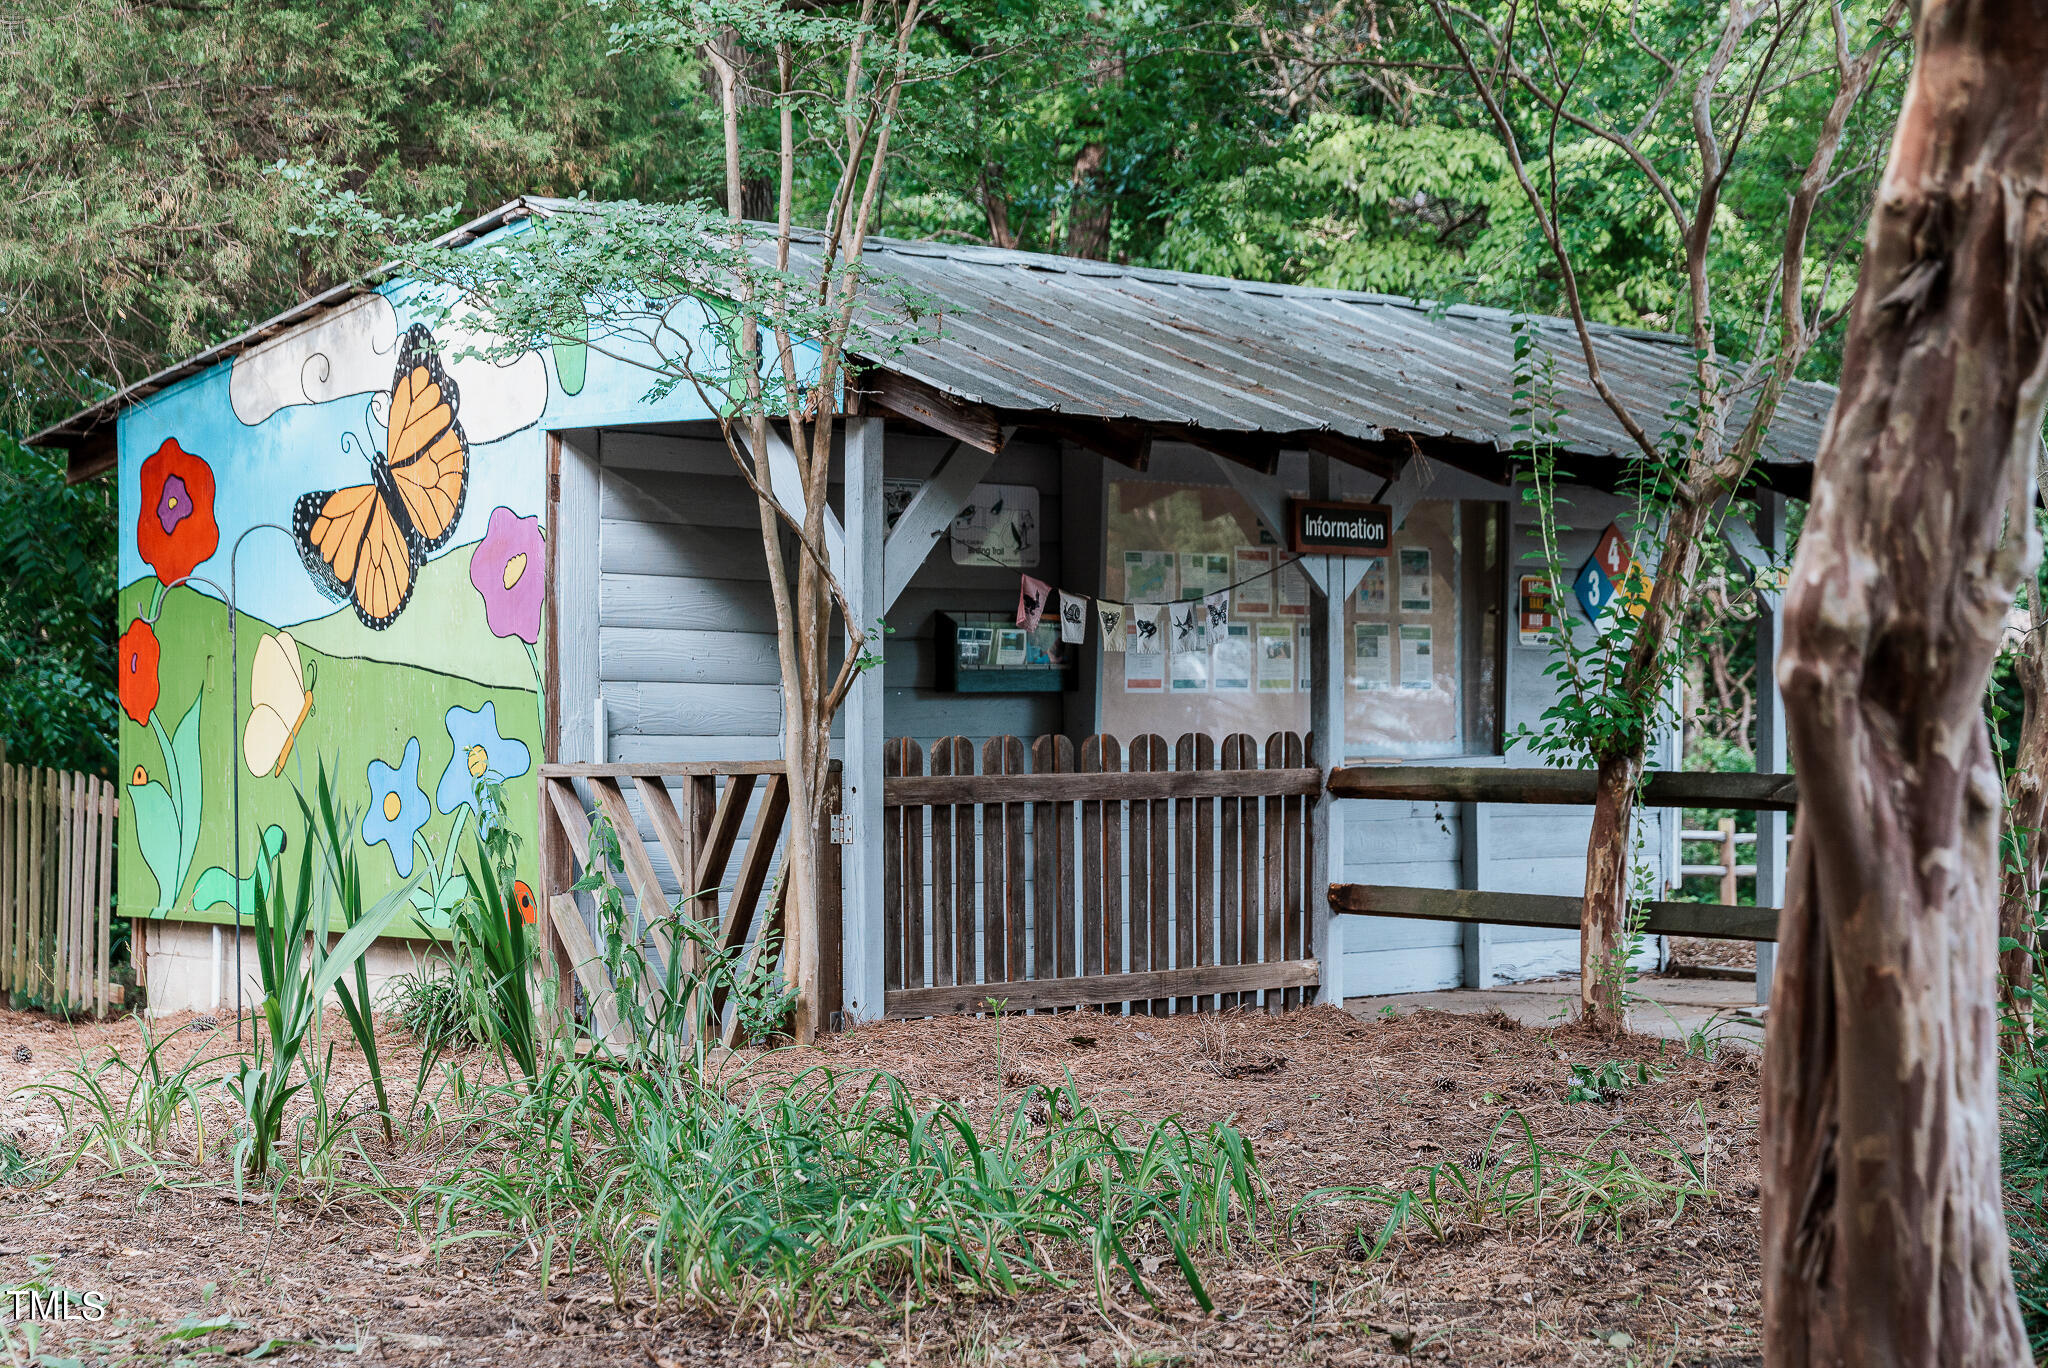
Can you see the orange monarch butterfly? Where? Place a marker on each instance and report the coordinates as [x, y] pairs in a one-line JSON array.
[[364, 545]]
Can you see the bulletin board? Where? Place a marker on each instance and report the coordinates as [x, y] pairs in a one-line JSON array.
[[1403, 642], [1167, 546]]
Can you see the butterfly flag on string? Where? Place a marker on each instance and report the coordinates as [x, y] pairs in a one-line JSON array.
[[1186, 627], [1031, 599], [1141, 627], [1216, 612], [1073, 618], [1110, 618]]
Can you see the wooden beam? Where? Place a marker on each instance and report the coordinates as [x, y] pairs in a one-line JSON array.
[[667, 769], [1128, 444], [1382, 459], [95, 454], [1713, 921], [930, 512], [1460, 784], [588, 962], [787, 485], [975, 424], [1035, 994], [1114, 787], [1253, 450]]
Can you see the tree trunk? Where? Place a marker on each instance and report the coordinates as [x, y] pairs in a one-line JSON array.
[[1603, 918], [2026, 809], [1884, 1240], [1088, 204]]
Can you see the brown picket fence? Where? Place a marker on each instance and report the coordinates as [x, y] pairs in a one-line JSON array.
[[57, 887], [1168, 877]]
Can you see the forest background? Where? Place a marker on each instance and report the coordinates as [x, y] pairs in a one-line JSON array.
[[1325, 142]]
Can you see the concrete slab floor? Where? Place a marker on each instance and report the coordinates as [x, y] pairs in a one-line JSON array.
[[1672, 1008]]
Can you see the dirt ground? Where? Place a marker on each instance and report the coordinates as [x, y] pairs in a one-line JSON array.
[[191, 1273]]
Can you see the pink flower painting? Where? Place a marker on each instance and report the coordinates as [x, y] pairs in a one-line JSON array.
[[506, 569]]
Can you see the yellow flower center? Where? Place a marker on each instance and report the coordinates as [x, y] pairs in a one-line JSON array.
[[171, 501], [140, 777], [391, 806], [478, 761], [514, 568]]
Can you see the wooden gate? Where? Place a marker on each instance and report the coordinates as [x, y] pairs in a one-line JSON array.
[[57, 887], [1171, 878], [679, 826]]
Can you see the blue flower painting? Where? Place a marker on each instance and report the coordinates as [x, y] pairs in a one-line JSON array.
[[398, 807], [481, 751]]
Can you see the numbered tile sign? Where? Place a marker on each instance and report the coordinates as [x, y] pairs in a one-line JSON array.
[[1613, 555], [1593, 589]]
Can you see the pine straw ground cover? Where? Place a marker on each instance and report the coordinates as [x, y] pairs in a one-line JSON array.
[[190, 1271]]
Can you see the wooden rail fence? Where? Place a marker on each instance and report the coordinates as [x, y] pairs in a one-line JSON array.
[[689, 817], [1453, 784], [1168, 877], [57, 887]]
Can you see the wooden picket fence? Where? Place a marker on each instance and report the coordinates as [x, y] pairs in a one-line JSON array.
[[57, 887], [1169, 877]]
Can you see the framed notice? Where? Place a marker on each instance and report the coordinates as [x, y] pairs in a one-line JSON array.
[[1202, 573], [1537, 615], [1293, 590], [1372, 586], [1149, 577], [1274, 649], [1190, 672], [1230, 660], [1372, 660], [1415, 586], [1254, 594], [1418, 665]]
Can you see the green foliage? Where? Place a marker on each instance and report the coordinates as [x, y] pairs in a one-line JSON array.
[[493, 947], [331, 828], [677, 1168], [126, 1110], [57, 701], [140, 227], [297, 970], [430, 1003]]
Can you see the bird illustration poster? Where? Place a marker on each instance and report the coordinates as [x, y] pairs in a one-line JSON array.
[[999, 526]]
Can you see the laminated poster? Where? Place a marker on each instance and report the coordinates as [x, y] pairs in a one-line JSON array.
[[1144, 650], [1276, 657], [997, 526], [1203, 573], [1372, 587], [1372, 664], [1293, 590], [1415, 579], [1191, 673], [1149, 577], [1418, 670], [1009, 646], [1254, 586], [1230, 659]]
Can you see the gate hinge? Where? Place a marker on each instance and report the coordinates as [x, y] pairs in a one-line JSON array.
[[842, 828]]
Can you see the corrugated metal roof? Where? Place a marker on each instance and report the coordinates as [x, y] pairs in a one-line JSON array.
[[1029, 333]]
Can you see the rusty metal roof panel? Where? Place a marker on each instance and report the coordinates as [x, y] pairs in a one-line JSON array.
[[1022, 332]]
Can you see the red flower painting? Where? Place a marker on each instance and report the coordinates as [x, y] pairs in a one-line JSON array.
[[175, 529], [138, 682]]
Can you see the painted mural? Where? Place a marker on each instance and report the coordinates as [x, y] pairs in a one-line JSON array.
[[336, 558]]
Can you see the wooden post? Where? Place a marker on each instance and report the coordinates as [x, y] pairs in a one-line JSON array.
[[1772, 755], [861, 933], [1727, 829]]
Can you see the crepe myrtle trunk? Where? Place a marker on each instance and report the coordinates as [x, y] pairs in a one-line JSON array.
[[2026, 812], [1884, 1241], [1610, 846]]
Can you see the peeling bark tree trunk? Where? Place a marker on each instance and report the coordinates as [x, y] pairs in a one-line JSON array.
[[2026, 811], [1884, 1239]]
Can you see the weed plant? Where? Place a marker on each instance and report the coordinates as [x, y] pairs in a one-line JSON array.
[[1518, 1182], [2023, 1151]]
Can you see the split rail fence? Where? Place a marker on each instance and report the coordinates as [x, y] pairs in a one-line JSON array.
[[1169, 877], [1452, 784], [679, 826], [57, 887]]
